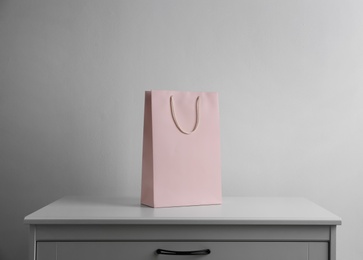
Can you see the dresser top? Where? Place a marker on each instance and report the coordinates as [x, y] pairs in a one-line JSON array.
[[233, 211]]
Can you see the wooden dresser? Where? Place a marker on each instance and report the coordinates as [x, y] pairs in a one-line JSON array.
[[243, 228]]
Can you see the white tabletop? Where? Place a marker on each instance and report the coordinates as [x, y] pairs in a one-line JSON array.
[[233, 211]]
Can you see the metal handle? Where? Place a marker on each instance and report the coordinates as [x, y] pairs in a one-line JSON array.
[[172, 252]]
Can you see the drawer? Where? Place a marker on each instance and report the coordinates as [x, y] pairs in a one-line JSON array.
[[147, 250]]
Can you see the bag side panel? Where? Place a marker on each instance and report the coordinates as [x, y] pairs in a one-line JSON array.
[[147, 182]]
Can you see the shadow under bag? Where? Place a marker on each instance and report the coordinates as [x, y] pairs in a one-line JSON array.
[[181, 163]]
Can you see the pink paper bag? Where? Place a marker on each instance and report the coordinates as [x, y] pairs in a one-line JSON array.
[[181, 163]]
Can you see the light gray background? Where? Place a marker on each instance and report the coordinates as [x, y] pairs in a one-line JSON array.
[[73, 76]]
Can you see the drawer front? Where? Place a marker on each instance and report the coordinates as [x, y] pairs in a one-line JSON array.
[[147, 250]]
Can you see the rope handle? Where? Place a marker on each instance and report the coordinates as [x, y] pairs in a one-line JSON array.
[[176, 121]]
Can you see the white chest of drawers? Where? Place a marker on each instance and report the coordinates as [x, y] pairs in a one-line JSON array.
[[241, 228]]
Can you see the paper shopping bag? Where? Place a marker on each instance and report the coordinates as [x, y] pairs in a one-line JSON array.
[[181, 163]]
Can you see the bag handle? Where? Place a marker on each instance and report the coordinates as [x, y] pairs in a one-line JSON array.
[[176, 121]]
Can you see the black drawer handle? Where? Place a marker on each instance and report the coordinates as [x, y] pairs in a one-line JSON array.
[[172, 252]]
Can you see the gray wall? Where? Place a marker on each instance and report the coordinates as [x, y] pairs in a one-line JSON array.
[[72, 82]]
